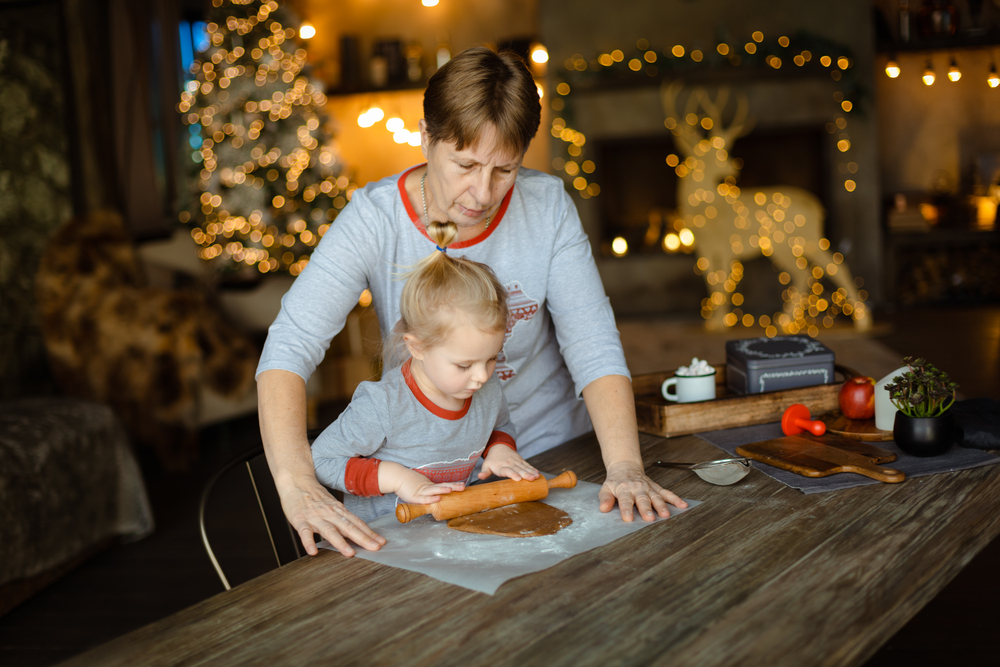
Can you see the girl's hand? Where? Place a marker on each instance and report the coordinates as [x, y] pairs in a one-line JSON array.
[[503, 461], [412, 487]]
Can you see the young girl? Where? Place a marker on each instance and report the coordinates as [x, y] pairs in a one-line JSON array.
[[420, 431]]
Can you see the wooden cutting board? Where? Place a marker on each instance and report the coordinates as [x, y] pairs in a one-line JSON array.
[[820, 456], [858, 429]]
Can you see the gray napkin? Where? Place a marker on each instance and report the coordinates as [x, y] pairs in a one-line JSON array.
[[957, 458]]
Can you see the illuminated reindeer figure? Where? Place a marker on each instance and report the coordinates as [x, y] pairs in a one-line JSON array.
[[783, 223]]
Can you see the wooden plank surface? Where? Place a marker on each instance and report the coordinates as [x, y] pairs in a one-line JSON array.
[[760, 574]]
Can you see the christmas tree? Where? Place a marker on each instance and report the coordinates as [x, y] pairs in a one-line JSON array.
[[267, 182]]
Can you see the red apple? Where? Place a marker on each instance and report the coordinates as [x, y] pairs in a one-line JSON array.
[[857, 398]]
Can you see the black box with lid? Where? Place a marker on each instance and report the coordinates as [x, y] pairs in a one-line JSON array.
[[756, 365]]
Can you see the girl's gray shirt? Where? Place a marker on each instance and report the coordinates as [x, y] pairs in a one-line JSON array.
[[561, 335], [392, 420]]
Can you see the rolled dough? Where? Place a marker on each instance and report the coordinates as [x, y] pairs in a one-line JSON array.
[[530, 519]]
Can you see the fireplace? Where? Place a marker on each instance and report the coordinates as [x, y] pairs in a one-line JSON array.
[[639, 189]]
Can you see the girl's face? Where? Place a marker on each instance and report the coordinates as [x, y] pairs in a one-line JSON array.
[[451, 372], [466, 186]]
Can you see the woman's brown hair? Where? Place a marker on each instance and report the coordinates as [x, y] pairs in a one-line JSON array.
[[481, 87], [442, 287]]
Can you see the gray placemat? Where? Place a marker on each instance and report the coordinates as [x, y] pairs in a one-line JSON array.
[[957, 458]]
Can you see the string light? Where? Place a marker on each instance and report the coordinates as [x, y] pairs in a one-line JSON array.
[[954, 74], [307, 31], [269, 182], [758, 224]]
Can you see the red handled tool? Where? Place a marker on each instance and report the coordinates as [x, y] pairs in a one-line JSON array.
[[797, 419]]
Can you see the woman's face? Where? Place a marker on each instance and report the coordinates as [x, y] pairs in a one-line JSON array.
[[466, 186]]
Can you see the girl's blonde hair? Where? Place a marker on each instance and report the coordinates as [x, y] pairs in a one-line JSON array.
[[441, 286]]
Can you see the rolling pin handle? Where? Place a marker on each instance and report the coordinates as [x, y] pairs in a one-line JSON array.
[[405, 512], [567, 480]]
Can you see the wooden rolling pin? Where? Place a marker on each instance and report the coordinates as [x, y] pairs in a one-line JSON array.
[[486, 497]]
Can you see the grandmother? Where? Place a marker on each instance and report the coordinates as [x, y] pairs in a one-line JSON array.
[[481, 111]]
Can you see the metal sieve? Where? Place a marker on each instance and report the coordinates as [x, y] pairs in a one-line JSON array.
[[722, 472]]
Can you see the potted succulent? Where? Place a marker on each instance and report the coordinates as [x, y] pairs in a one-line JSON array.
[[923, 395]]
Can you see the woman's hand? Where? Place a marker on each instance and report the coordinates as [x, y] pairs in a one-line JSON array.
[[503, 461], [411, 486], [310, 508], [628, 483]]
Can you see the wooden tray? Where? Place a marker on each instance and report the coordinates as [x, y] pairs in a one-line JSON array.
[[658, 416], [859, 429]]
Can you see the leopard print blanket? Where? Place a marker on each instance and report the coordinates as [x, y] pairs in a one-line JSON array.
[[145, 351]]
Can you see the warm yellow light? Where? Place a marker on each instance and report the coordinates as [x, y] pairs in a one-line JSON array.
[[993, 80], [429, 3], [758, 36], [954, 74], [539, 54], [986, 212], [892, 69], [307, 31], [677, 51], [619, 246], [928, 77], [686, 236], [671, 242], [370, 117]]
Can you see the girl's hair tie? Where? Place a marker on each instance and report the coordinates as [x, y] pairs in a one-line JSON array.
[[444, 250]]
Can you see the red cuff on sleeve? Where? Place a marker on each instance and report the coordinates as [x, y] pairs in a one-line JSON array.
[[499, 438], [361, 477]]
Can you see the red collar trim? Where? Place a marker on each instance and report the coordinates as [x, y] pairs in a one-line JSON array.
[[433, 407], [418, 223]]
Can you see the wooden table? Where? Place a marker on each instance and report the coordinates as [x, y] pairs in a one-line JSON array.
[[760, 574]]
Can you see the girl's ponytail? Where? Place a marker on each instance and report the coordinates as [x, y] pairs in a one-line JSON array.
[[442, 289]]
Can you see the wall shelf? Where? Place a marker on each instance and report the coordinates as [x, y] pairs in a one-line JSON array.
[[943, 265], [961, 42]]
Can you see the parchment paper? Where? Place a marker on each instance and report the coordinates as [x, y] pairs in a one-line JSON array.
[[484, 562]]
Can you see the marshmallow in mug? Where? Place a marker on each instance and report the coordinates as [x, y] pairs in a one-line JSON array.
[[697, 367]]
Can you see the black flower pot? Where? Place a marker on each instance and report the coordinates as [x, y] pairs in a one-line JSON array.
[[924, 436]]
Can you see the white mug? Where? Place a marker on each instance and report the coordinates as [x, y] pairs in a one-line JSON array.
[[690, 388]]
